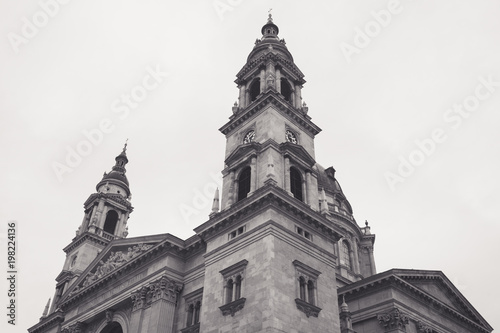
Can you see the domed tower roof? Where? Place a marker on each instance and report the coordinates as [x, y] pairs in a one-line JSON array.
[[270, 42], [117, 174], [327, 181]]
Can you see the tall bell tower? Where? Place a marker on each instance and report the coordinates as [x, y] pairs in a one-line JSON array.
[[270, 126], [105, 218], [284, 238]]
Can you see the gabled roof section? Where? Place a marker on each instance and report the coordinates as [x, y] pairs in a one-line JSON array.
[[285, 108], [429, 286], [298, 153], [242, 151], [121, 255]]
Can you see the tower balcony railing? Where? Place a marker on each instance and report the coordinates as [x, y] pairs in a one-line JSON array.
[[107, 235]]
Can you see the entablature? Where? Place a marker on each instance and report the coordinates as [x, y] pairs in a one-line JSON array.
[[271, 97]]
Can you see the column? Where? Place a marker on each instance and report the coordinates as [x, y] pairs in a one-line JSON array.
[[278, 80], [162, 296], [253, 175], [241, 98], [230, 194], [287, 175], [262, 80], [311, 187], [372, 260], [298, 98], [356, 257]]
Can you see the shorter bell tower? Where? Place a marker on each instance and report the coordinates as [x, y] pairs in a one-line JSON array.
[[105, 218]]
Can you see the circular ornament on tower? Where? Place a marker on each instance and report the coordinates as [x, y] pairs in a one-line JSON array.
[[249, 137], [290, 136]]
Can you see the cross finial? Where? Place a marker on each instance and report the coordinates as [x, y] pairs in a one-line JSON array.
[[270, 15]]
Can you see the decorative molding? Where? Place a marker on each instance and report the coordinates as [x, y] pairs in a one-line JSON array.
[[394, 319], [233, 307], [233, 271], [192, 329], [109, 315], [307, 308], [422, 328], [305, 271], [163, 288], [114, 261], [78, 327]]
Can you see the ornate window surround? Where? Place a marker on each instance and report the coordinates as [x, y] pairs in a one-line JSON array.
[[193, 301], [232, 273], [306, 277]]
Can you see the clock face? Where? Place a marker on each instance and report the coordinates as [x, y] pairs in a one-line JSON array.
[[290, 136], [249, 137]]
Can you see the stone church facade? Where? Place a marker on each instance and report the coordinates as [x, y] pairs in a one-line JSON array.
[[280, 252]]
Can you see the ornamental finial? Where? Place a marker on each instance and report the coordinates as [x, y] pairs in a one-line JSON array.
[[270, 19], [125, 146]]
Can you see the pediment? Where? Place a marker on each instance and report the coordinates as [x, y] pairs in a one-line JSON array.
[[436, 285], [298, 153], [116, 255], [241, 152]]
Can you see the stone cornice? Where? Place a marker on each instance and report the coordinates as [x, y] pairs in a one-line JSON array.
[[264, 197], [265, 99], [116, 198], [233, 307], [262, 60], [309, 309], [51, 320], [395, 278], [86, 236]]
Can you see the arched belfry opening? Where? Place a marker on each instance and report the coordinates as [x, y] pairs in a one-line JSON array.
[[296, 183], [244, 183], [286, 89], [254, 89], [112, 327], [110, 222]]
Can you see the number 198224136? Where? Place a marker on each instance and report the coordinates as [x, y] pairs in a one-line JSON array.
[[11, 245]]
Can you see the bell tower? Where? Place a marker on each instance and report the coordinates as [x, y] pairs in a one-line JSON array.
[[105, 218], [270, 137]]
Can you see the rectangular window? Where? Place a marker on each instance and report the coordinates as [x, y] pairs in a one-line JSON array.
[[236, 232], [303, 233]]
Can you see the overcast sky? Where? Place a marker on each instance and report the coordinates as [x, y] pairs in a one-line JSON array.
[[407, 95]]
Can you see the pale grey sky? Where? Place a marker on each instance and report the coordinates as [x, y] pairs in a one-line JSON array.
[[381, 86]]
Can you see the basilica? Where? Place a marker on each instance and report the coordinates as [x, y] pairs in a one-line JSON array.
[[280, 251]]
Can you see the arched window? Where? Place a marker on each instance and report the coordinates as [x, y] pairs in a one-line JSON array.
[[229, 291], [346, 259], [189, 321], [244, 183], [254, 89], [296, 183], [310, 291], [237, 288], [110, 223], [302, 288], [286, 89]]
